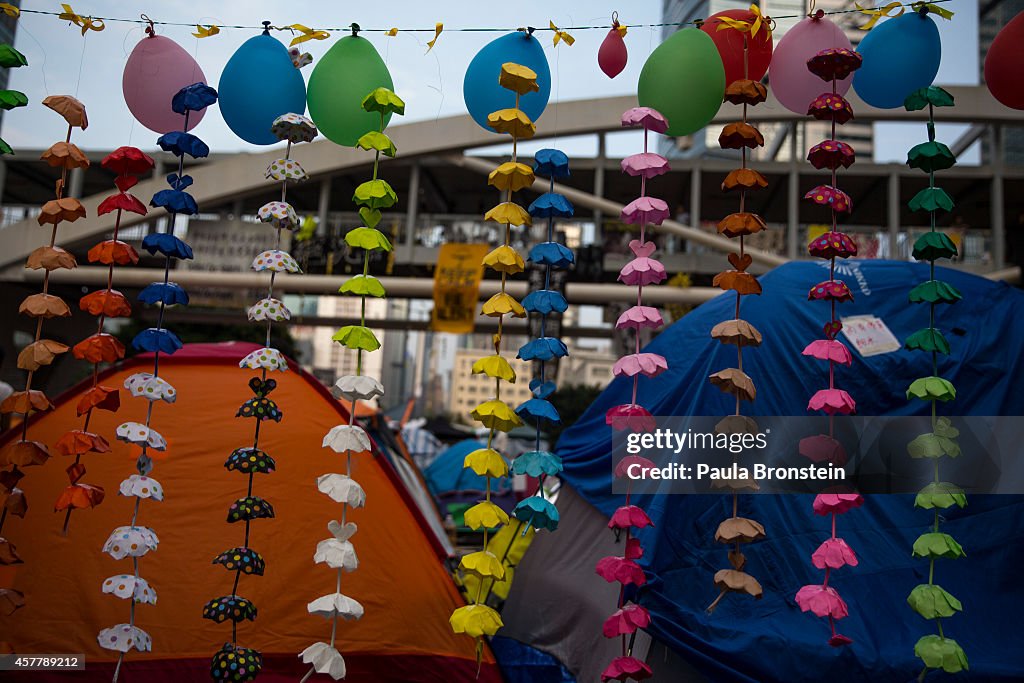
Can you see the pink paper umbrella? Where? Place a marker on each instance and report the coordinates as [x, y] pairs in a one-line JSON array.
[[832, 197], [826, 503], [629, 516], [637, 317], [646, 364], [620, 569], [823, 601], [624, 668], [823, 448], [644, 210], [832, 244], [634, 551], [626, 620], [630, 416], [643, 270], [645, 117], [830, 290], [646, 164], [830, 350], [832, 401], [833, 554], [623, 468]]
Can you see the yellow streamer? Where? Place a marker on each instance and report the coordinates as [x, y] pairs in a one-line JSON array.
[[878, 13], [622, 30], [560, 35], [391, 32], [933, 9], [760, 22], [9, 9], [307, 33], [86, 23], [438, 27], [206, 31]]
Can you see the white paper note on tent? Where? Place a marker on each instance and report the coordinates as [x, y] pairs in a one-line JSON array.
[[869, 335]]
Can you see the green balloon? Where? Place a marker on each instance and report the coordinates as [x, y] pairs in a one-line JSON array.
[[684, 80], [342, 78]]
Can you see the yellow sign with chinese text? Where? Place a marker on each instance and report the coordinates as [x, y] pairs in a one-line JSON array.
[[457, 287]]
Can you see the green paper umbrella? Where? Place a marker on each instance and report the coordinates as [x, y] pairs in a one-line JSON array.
[[932, 602], [940, 495], [363, 285], [375, 194], [931, 199], [935, 292], [934, 245], [941, 653], [367, 238], [375, 140], [937, 544], [933, 95], [357, 337], [384, 101], [929, 339], [9, 99], [932, 389], [5, 148], [11, 58], [930, 157]]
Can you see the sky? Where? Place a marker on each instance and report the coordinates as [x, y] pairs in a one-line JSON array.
[[61, 61]]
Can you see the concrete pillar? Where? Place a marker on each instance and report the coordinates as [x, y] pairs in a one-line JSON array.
[[996, 198], [75, 181], [3, 180], [323, 207], [793, 212], [412, 213], [892, 198], [602, 155], [695, 197]]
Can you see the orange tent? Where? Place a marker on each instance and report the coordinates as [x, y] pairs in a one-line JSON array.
[[402, 581]]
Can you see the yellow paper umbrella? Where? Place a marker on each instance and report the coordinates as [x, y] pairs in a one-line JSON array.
[[484, 515], [495, 414], [518, 78], [496, 367], [509, 213], [484, 564], [503, 304], [475, 621], [512, 122], [511, 175], [486, 462]]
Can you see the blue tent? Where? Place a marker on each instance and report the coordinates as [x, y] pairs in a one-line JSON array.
[[771, 639], [447, 474]]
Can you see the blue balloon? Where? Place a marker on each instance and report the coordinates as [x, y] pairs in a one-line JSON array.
[[258, 84], [480, 88], [900, 55]]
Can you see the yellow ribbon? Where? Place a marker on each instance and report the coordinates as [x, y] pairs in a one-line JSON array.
[[933, 9], [622, 30], [206, 31], [9, 9], [751, 27], [391, 32], [560, 35], [307, 33], [86, 23], [878, 13], [438, 27]]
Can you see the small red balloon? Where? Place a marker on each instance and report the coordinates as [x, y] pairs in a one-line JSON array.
[[729, 42], [612, 55], [1003, 64]]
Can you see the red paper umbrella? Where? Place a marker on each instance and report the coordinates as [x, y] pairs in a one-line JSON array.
[[834, 63], [620, 569], [830, 106], [121, 200], [626, 620], [629, 516], [108, 302], [831, 154], [630, 416], [127, 160], [77, 442], [99, 348], [626, 668], [24, 454], [113, 252], [78, 496], [101, 398]]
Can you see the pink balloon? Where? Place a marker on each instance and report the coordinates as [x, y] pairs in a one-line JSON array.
[[157, 69], [791, 83]]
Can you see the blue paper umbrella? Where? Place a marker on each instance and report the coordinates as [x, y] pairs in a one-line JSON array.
[[552, 254], [175, 201], [537, 463], [551, 205], [545, 301], [156, 339], [195, 97], [543, 348], [179, 143], [551, 162], [168, 294], [166, 244], [538, 512], [537, 410]]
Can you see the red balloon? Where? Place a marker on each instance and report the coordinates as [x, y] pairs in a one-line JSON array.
[[612, 55], [729, 42], [1003, 64]]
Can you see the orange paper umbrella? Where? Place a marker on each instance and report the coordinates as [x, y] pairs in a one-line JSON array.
[[78, 496], [71, 109], [15, 503], [737, 281], [108, 302], [65, 154], [11, 601], [736, 224], [77, 442], [735, 382], [40, 353], [76, 471], [8, 553], [100, 398], [736, 331], [24, 454], [64, 209], [44, 306], [113, 251], [50, 258], [746, 91], [25, 402], [99, 348], [740, 134], [733, 580], [744, 178]]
